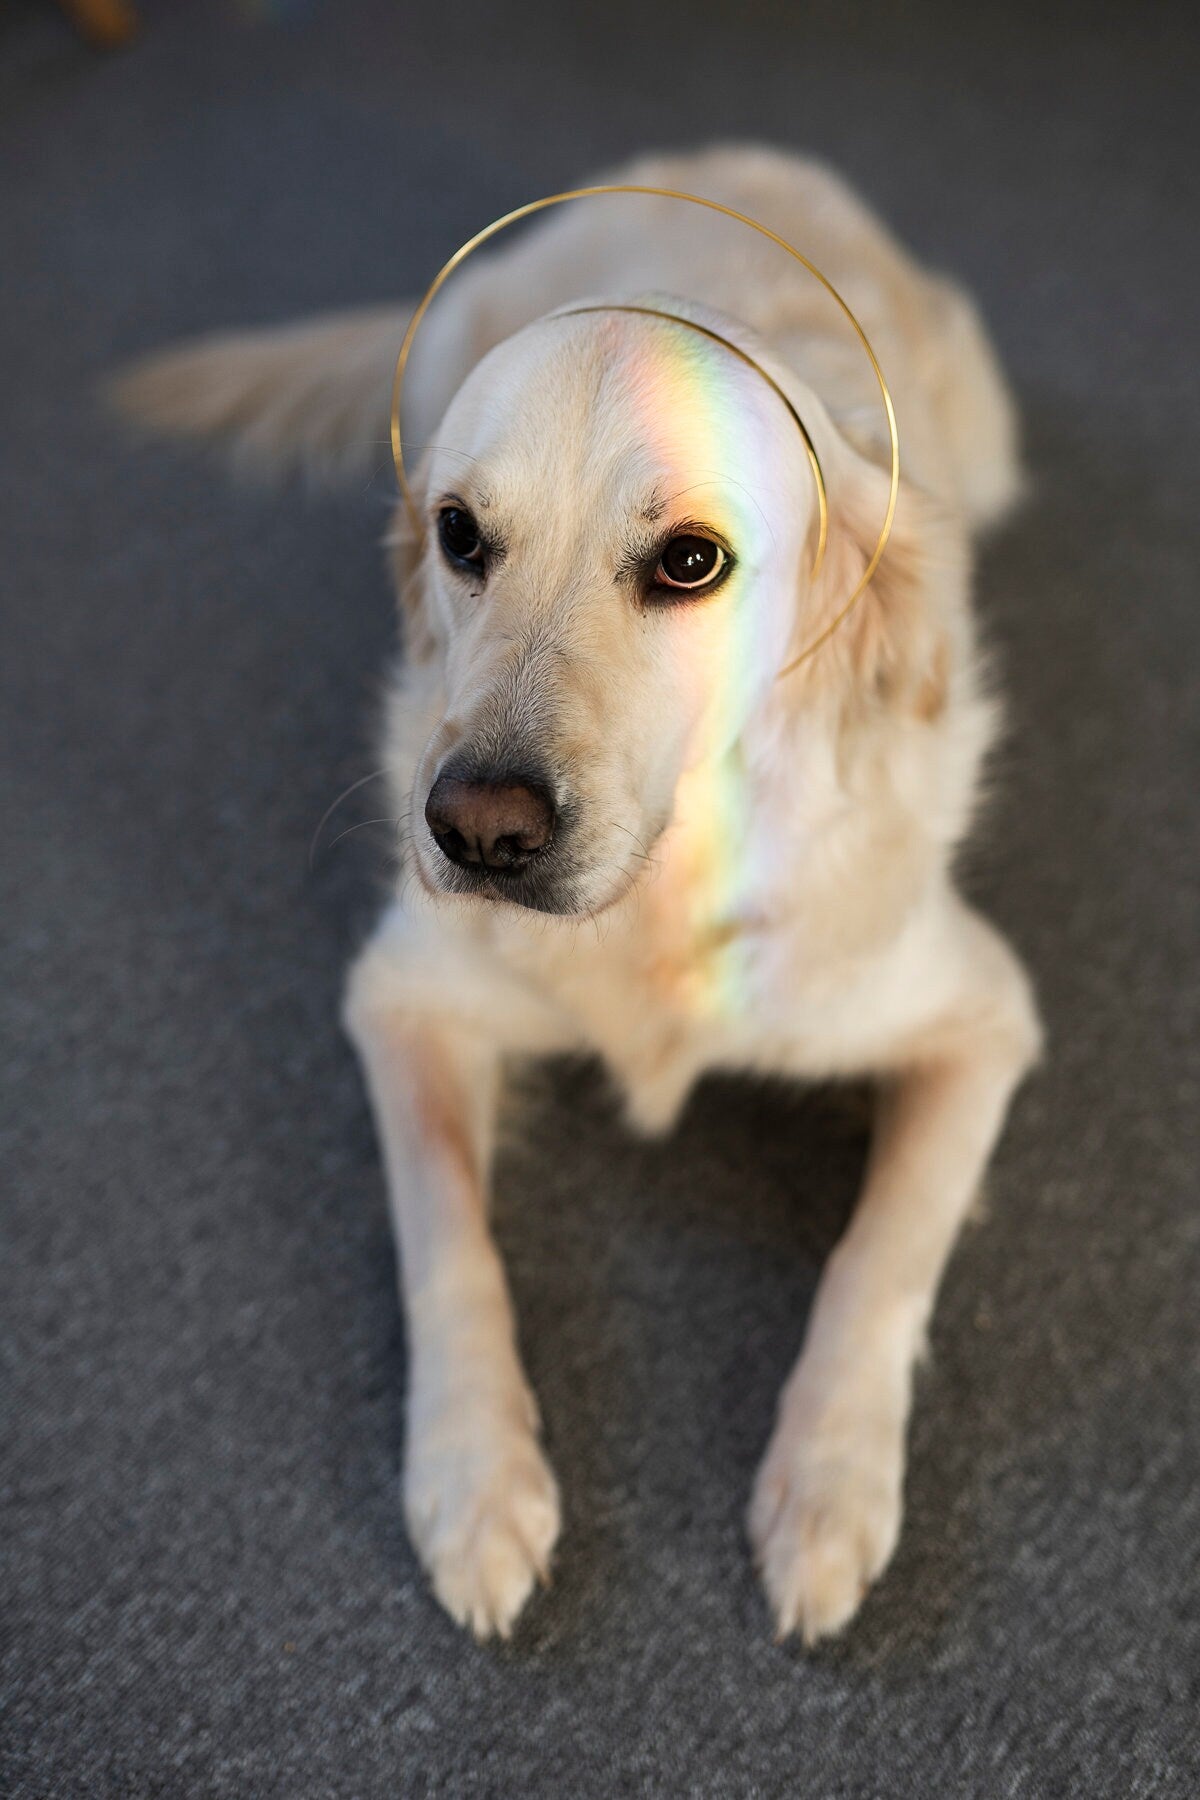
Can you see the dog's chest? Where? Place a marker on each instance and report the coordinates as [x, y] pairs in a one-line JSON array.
[[773, 959], [669, 987]]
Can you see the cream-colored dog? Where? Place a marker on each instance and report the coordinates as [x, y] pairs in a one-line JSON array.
[[623, 832]]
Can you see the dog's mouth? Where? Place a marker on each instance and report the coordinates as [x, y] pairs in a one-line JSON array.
[[560, 896], [530, 890], [551, 883]]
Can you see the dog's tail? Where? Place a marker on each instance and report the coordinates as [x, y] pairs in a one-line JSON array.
[[312, 398]]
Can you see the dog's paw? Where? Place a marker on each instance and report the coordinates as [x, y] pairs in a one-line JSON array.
[[823, 1522], [482, 1510]]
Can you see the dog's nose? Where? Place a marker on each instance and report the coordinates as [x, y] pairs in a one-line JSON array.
[[491, 824]]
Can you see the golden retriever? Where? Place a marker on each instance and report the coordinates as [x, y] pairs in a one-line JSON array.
[[624, 832]]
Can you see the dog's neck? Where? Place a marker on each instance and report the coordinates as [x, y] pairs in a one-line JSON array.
[[761, 834]]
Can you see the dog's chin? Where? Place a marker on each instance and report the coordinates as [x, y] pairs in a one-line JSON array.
[[560, 894]]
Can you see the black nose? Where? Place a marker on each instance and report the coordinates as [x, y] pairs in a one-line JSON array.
[[490, 824]]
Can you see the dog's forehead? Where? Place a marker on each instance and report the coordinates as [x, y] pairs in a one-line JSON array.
[[639, 411]]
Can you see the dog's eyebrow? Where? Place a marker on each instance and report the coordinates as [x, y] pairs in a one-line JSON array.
[[653, 506], [711, 481], [480, 503]]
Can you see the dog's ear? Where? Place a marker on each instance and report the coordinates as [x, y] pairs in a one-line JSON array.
[[897, 646], [406, 558]]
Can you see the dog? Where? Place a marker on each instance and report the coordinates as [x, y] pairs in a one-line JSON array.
[[610, 565]]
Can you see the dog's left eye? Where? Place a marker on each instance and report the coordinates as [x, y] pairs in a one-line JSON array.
[[459, 537], [689, 561]]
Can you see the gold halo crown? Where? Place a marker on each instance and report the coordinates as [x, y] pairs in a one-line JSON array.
[[586, 193]]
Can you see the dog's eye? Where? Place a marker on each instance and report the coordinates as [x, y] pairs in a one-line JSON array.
[[459, 536], [689, 561]]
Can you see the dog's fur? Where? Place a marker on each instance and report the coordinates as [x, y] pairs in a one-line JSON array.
[[823, 938]]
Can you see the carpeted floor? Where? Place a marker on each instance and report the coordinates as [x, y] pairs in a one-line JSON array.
[[207, 1586]]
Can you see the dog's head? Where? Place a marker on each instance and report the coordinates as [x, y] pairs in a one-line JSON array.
[[611, 563], [618, 521]]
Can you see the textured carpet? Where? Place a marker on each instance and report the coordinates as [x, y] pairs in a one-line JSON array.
[[207, 1586]]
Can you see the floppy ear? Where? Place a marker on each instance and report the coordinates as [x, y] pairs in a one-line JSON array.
[[902, 639], [405, 547]]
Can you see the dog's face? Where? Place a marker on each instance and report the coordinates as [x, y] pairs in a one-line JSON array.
[[619, 516]]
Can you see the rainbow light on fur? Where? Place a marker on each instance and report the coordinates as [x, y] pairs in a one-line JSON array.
[[694, 416]]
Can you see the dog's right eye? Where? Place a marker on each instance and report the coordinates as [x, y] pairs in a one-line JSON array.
[[459, 537]]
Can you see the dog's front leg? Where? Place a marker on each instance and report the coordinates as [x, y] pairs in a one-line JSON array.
[[825, 1513], [480, 1500]]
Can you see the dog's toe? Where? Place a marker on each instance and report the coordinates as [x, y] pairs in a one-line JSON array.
[[822, 1531], [485, 1518]]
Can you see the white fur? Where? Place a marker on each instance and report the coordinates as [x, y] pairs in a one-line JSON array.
[[838, 948]]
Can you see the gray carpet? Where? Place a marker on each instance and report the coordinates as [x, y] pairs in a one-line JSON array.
[[207, 1586]]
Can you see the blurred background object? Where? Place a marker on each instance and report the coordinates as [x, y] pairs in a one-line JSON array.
[[104, 22]]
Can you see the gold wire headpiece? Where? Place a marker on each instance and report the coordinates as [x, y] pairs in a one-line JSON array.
[[534, 206]]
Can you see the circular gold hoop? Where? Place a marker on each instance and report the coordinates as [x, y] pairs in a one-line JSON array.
[[586, 193]]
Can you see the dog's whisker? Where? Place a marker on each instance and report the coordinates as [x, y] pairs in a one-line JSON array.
[[385, 443], [726, 480], [443, 449], [393, 494], [640, 842], [361, 826], [331, 809]]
